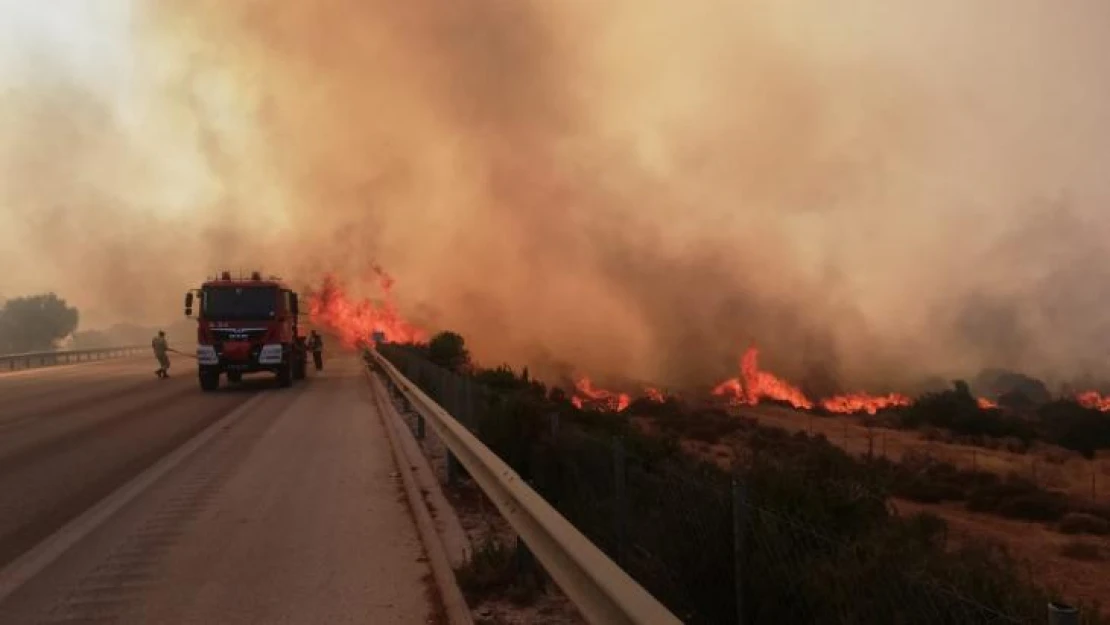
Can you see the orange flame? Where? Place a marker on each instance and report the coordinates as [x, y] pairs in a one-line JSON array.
[[986, 404], [655, 395], [357, 321], [1093, 400], [863, 402], [587, 394], [755, 385]]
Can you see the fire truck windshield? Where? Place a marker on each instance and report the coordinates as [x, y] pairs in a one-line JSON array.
[[227, 303]]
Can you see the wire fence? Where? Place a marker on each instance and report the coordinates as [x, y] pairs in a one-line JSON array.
[[770, 542]]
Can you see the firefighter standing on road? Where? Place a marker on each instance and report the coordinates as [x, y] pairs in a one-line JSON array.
[[161, 348], [316, 344]]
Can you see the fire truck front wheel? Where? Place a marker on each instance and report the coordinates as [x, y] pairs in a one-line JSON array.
[[285, 375], [209, 380]]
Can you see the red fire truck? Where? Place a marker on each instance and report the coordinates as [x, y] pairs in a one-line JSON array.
[[247, 325]]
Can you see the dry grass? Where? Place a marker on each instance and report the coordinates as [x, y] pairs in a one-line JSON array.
[[1050, 467], [1045, 551], [496, 595], [1037, 545]]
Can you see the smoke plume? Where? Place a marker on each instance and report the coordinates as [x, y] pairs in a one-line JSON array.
[[872, 193]]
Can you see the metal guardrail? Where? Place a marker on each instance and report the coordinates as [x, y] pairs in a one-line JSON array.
[[32, 360], [600, 589]]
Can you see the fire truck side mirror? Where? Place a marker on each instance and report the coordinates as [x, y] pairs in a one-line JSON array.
[[188, 304]]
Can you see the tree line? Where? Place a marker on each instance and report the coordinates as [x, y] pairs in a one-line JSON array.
[[35, 323]]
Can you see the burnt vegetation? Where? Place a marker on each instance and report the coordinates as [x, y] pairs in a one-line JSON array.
[[804, 530], [1015, 425]]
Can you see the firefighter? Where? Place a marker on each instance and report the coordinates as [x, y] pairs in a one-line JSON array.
[[161, 349], [316, 344]]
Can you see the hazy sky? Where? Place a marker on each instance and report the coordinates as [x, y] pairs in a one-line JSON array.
[[885, 190]]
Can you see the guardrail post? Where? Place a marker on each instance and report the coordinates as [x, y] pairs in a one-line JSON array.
[[739, 525], [620, 503]]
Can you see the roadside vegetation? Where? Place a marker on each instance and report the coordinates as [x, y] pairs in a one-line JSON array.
[[818, 538], [35, 323], [955, 416]]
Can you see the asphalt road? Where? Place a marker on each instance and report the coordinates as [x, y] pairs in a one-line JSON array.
[[250, 505]]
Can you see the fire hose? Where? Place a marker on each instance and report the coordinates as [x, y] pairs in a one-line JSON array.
[[193, 356]]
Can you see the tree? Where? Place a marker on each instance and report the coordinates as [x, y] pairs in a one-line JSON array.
[[35, 323], [448, 350]]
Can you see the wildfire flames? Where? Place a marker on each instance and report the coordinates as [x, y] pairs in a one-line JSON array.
[[862, 402], [1094, 400], [357, 321], [586, 394], [755, 385], [987, 404]]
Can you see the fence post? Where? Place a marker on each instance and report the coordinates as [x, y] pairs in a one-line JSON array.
[[619, 500], [739, 524], [468, 403], [448, 393]]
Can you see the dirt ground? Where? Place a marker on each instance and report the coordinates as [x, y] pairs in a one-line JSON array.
[[1039, 546], [1050, 467]]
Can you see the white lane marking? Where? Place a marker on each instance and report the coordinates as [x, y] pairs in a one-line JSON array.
[[30, 564]]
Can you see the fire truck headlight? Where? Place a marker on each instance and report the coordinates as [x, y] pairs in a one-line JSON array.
[[270, 354], [206, 355]]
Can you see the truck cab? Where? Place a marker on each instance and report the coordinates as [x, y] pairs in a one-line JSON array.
[[246, 325]]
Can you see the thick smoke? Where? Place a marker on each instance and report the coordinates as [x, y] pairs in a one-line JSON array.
[[635, 189]]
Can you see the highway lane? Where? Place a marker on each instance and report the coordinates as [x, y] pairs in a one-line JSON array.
[[70, 435], [292, 512]]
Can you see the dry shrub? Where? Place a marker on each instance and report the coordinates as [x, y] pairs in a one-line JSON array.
[[1082, 550], [1058, 455], [1083, 523]]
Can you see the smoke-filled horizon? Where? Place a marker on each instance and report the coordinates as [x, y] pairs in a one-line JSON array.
[[873, 193]]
